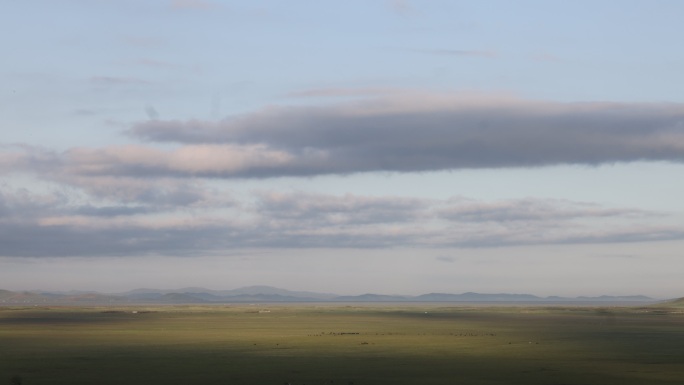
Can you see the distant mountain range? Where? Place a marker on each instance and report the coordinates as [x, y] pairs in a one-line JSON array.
[[268, 294]]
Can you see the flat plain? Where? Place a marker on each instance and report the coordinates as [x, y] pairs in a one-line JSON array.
[[341, 344]]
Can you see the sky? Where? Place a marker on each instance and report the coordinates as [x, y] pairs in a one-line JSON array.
[[384, 146]]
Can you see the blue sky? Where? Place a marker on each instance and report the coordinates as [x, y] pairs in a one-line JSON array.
[[360, 146]]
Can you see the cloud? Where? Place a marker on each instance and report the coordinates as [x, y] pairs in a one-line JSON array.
[[111, 211], [23, 158], [151, 112], [401, 7], [188, 161], [328, 210], [74, 239], [158, 192], [464, 210], [193, 221], [410, 132], [161, 199], [22, 204], [625, 235], [404, 132]]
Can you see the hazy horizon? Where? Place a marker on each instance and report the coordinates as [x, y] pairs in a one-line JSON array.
[[267, 289], [384, 146]]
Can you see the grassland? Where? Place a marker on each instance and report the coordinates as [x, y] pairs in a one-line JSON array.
[[426, 344]]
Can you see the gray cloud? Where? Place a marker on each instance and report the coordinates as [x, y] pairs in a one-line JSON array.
[[54, 225], [151, 113], [401, 7], [410, 133], [525, 210], [159, 192], [147, 199], [97, 178], [31, 240], [319, 209], [541, 236], [111, 211], [402, 133], [21, 203], [627, 235], [16, 158]]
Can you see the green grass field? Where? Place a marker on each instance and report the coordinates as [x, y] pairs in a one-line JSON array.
[[334, 344]]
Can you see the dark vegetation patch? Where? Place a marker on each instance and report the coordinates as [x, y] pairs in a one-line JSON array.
[[371, 345]]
